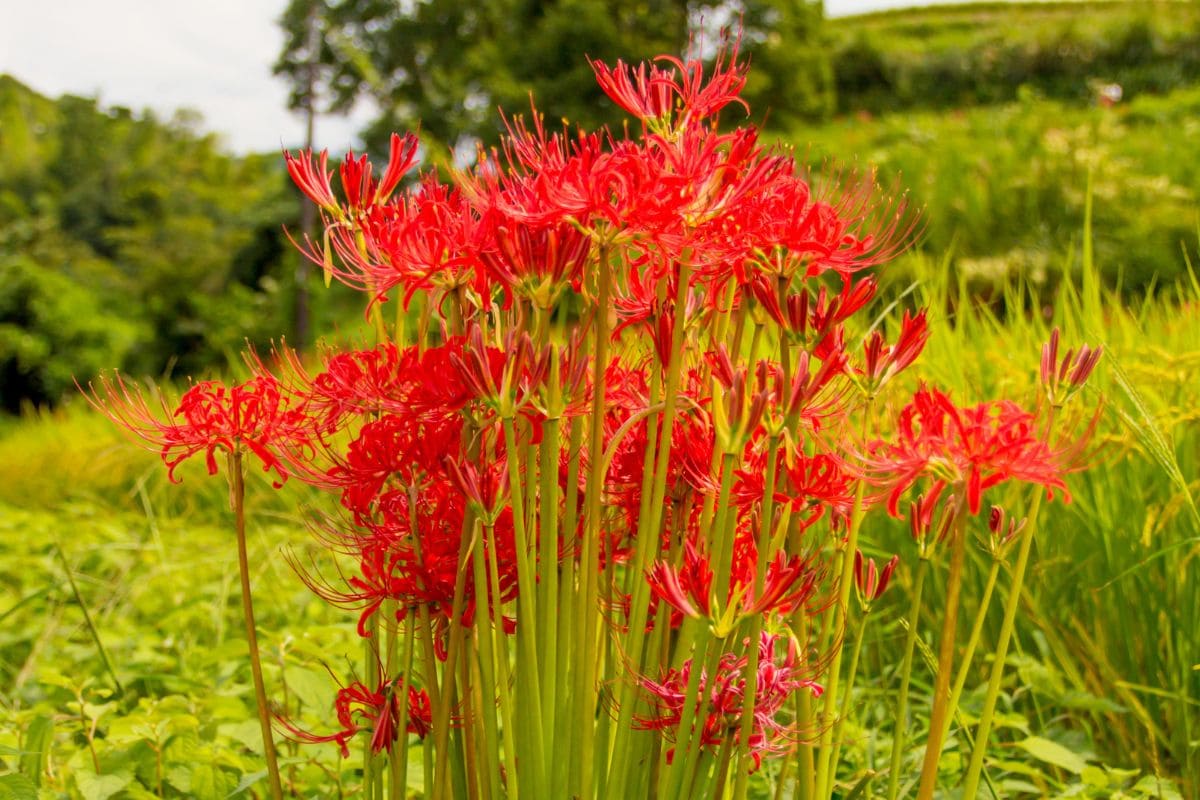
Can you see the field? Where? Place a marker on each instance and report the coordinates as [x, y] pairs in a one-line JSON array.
[[122, 659]]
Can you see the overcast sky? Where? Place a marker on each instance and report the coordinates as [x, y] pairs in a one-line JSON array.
[[213, 56]]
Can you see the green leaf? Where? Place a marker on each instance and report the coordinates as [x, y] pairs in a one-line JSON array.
[[101, 787], [1159, 788], [248, 780], [17, 787], [1053, 753], [38, 737], [1094, 776], [313, 689], [248, 733], [210, 783]]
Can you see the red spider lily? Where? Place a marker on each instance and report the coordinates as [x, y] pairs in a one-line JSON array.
[[312, 181], [537, 263], [930, 521], [253, 416], [869, 581], [780, 674], [971, 449], [789, 582], [359, 708], [811, 398], [396, 449], [812, 485], [883, 361], [654, 95], [361, 191], [411, 555], [428, 238]]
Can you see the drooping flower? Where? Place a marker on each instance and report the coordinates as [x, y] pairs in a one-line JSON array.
[[378, 710]]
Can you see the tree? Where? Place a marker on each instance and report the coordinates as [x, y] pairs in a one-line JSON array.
[[446, 65]]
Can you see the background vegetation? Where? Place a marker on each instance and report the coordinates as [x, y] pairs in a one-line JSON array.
[[131, 241]]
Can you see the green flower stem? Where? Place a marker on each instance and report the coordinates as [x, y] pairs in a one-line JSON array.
[[910, 641], [372, 774], [485, 635], [564, 727], [960, 681], [722, 533], [237, 495], [721, 778], [428, 657], [649, 525], [705, 650], [850, 676], [585, 689], [391, 643], [971, 784], [548, 573], [450, 693], [750, 675], [805, 720], [399, 755], [945, 662], [528, 688], [825, 765], [502, 679]]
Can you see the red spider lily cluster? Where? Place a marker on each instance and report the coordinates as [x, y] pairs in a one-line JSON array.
[[618, 465]]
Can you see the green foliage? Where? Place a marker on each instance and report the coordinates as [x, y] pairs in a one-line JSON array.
[[981, 53], [129, 242], [165, 601], [52, 330], [444, 67], [1002, 189]]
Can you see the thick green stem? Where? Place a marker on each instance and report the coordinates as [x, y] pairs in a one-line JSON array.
[[485, 649], [585, 689], [910, 641], [548, 578], [750, 674], [825, 766], [850, 676], [945, 662], [648, 533], [238, 500], [528, 684], [398, 758], [971, 784]]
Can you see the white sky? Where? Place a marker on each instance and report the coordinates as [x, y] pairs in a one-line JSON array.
[[214, 57]]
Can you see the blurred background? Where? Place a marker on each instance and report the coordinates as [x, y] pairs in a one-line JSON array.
[[144, 205]]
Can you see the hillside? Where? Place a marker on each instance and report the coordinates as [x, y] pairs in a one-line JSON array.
[[127, 241], [979, 53]]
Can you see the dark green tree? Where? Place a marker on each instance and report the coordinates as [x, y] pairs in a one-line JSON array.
[[446, 65]]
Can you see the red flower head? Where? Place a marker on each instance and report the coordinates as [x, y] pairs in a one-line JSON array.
[[679, 92], [721, 697], [252, 416], [969, 449], [883, 361], [359, 708]]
